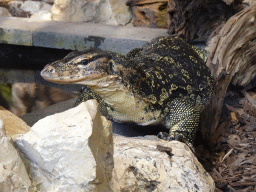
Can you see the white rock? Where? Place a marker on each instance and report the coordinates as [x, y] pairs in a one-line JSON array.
[[42, 15], [13, 175], [104, 13], [73, 151], [143, 164], [13, 125], [69, 150], [20, 8], [78, 10], [71, 11], [34, 6], [110, 12], [4, 12], [122, 13]]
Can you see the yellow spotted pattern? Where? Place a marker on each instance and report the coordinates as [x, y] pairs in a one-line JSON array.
[[163, 82]]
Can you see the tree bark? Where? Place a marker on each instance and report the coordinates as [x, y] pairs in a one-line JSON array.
[[194, 20], [232, 59]]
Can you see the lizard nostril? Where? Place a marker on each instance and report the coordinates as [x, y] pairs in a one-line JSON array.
[[52, 70]]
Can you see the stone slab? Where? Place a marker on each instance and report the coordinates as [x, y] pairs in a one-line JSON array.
[[19, 31], [74, 36]]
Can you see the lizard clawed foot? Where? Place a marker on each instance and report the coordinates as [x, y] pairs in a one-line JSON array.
[[165, 136], [177, 137]]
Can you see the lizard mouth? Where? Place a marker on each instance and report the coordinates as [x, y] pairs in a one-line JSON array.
[[77, 78]]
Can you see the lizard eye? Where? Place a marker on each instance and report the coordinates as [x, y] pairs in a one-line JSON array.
[[83, 63]]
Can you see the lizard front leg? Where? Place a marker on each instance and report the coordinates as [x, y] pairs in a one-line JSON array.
[[182, 122], [88, 94]]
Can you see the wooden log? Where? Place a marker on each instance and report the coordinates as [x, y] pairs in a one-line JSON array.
[[194, 20], [232, 59]]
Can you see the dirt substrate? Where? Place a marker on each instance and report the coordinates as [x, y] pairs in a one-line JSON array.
[[232, 164]]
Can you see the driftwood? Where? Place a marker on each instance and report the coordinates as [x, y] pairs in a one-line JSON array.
[[232, 59], [194, 20], [149, 13]]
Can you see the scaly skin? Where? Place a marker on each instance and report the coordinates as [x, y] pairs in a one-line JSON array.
[[163, 82]]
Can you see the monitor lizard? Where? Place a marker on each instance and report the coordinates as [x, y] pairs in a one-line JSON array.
[[164, 82]]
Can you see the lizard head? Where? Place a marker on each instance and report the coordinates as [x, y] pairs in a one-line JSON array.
[[79, 67]]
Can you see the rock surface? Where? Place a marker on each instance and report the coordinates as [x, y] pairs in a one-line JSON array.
[[13, 124], [122, 13], [151, 164], [73, 151], [27, 8], [42, 15], [111, 12], [4, 12], [70, 151], [13, 175]]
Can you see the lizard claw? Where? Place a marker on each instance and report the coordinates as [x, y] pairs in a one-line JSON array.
[[165, 136], [176, 137]]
